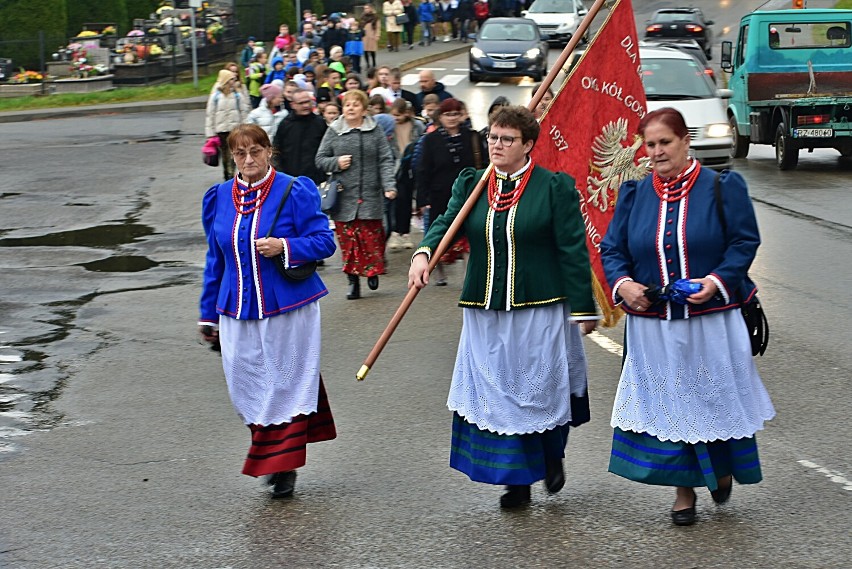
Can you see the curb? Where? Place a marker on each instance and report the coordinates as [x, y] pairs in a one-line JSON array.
[[191, 104]]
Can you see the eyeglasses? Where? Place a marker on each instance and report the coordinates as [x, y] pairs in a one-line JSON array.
[[255, 153], [305, 102], [452, 114], [506, 140]]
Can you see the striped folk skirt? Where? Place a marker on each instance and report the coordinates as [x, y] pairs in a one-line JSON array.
[[485, 456], [647, 459], [283, 447]]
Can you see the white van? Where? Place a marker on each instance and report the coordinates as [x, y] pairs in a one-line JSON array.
[[675, 79], [557, 19]]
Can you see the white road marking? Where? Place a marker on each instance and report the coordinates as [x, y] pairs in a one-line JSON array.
[[432, 68], [834, 475], [607, 344], [465, 69], [410, 79], [453, 79], [487, 84]]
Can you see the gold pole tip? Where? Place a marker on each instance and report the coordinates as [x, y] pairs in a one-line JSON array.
[[362, 373]]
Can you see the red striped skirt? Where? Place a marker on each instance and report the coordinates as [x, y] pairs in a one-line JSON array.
[[362, 246], [283, 447]]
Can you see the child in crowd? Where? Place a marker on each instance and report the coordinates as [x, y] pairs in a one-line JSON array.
[[354, 48], [277, 71], [331, 87], [330, 112]]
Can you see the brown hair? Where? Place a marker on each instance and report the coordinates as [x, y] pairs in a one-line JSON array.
[[249, 134], [669, 117], [379, 101], [401, 106], [515, 116]]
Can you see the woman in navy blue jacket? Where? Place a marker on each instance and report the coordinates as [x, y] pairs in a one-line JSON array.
[[689, 400], [268, 326]]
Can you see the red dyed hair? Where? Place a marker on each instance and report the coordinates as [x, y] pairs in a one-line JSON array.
[[669, 117]]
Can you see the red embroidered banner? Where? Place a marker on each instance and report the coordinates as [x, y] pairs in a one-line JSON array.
[[589, 131]]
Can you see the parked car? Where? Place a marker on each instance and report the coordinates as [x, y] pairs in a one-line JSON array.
[[508, 47], [682, 23], [687, 46], [558, 19]]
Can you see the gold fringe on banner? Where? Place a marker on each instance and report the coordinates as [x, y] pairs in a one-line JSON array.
[[611, 315]]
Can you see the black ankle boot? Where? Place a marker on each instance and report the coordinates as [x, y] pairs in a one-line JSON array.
[[515, 496], [285, 484], [373, 282], [554, 477], [354, 287]]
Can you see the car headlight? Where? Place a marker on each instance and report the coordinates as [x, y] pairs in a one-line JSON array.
[[566, 26], [477, 53], [532, 53], [718, 130]]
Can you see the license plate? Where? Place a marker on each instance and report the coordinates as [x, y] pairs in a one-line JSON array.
[[504, 64], [813, 133]]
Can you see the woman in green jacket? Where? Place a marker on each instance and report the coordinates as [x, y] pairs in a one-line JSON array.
[[519, 381]]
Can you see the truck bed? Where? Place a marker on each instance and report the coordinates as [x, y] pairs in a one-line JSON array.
[[775, 86]]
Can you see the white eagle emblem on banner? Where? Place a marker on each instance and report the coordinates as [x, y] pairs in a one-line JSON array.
[[613, 164]]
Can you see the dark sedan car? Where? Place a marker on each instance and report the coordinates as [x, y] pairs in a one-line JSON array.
[[508, 47], [681, 23]]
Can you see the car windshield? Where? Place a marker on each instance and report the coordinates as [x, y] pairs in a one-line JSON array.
[[675, 79], [504, 32], [552, 7], [663, 17]]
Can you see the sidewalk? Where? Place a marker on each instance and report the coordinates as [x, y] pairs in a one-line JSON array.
[[405, 59]]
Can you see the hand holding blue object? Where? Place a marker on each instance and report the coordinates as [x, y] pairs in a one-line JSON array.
[[677, 291]]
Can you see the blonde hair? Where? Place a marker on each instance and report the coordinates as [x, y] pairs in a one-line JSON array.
[[357, 95]]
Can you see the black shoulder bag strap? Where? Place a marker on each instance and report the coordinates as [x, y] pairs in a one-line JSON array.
[[280, 206], [757, 323]]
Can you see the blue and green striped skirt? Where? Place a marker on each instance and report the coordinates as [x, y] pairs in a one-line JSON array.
[[644, 458]]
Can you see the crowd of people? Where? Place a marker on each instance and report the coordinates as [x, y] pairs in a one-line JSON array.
[[690, 399]]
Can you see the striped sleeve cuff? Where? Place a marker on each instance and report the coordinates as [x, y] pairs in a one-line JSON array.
[[617, 284], [425, 250], [580, 316], [285, 253], [720, 284]]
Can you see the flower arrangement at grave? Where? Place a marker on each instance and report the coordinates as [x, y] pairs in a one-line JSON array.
[[109, 31], [88, 34], [215, 32], [26, 77]]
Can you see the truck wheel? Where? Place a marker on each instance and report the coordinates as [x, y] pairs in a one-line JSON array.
[[739, 144], [786, 152]]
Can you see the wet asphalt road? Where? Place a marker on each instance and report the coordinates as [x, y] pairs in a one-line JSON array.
[[136, 453], [119, 448]]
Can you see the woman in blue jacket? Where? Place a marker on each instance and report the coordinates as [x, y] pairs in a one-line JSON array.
[[268, 325], [689, 400]]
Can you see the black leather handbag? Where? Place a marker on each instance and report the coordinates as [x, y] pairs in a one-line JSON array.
[[301, 272], [752, 311]]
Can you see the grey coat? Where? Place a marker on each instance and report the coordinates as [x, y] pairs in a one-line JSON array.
[[370, 174]]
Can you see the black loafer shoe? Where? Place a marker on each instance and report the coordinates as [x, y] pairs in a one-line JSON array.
[[270, 479], [722, 495], [554, 477], [515, 496], [685, 517], [285, 484], [373, 282]]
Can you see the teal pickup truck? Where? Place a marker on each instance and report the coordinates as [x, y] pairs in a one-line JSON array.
[[791, 78]]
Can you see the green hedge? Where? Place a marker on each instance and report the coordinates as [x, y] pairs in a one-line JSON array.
[[82, 11], [20, 22]]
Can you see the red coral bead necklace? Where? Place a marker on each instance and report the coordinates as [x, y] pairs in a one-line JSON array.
[[501, 201], [665, 191], [245, 206]]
